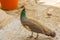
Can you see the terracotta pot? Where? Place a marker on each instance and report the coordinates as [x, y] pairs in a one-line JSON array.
[[9, 4]]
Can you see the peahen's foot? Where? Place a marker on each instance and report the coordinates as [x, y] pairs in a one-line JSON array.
[[30, 37], [36, 38]]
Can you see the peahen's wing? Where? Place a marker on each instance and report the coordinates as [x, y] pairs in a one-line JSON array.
[[38, 27]]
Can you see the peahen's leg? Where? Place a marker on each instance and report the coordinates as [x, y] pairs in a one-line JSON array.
[[36, 36], [31, 35]]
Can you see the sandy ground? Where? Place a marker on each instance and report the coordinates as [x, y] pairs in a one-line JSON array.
[[13, 29]]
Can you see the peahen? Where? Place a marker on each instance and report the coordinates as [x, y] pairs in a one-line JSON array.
[[34, 26]]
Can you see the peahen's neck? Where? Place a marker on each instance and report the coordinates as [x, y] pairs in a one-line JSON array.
[[23, 15]]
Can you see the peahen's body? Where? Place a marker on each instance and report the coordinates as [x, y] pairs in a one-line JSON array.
[[34, 26]]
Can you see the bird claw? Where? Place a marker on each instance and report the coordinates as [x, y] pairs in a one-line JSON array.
[[30, 37], [36, 38]]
